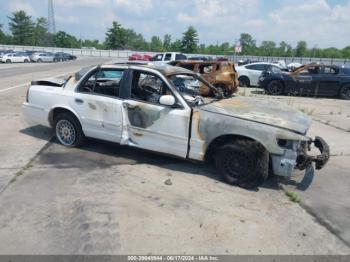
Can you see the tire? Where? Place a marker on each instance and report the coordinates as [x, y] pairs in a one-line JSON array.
[[275, 87], [223, 90], [345, 92], [8, 61], [39, 60], [68, 130], [243, 163], [244, 81], [26, 61]]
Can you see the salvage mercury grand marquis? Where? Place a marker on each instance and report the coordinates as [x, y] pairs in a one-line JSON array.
[[159, 108]]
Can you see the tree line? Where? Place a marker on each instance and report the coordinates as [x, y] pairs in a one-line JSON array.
[[24, 30]]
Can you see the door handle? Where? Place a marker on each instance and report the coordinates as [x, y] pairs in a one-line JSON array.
[[79, 101]]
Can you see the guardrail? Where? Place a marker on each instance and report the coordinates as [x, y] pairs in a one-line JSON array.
[[124, 54]]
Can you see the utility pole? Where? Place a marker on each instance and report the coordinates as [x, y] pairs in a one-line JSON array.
[[51, 18]]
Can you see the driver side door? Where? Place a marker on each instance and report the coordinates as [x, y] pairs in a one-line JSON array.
[[151, 125]]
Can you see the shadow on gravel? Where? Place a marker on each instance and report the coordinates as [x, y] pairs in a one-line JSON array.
[[100, 154]]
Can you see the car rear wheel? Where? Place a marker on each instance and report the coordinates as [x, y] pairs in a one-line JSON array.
[[26, 61], [39, 60], [243, 162], [8, 61], [275, 87], [68, 130], [244, 81], [345, 92]]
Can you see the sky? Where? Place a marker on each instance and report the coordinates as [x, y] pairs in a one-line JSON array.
[[322, 23]]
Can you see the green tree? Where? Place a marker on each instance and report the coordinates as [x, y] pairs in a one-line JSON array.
[[248, 44], [176, 46], [156, 44], [346, 52], [332, 52], [167, 42], [40, 33], [2, 35], [267, 48], [189, 40], [301, 49], [282, 49], [21, 27], [62, 39], [116, 37]]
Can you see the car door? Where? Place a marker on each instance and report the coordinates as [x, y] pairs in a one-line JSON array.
[[99, 105], [149, 124], [254, 72], [328, 81], [306, 81]]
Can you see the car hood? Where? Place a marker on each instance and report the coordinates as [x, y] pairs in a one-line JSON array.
[[262, 111]]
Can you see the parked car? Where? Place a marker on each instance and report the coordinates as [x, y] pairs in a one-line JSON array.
[[43, 57], [17, 57], [60, 57], [248, 75], [139, 57], [165, 58], [308, 80], [222, 75], [199, 58], [159, 108], [246, 62]]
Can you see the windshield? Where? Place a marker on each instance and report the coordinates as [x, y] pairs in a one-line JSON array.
[[194, 89]]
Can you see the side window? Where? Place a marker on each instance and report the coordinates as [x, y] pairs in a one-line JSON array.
[[103, 82], [148, 87], [167, 57], [187, 66], [330, 70], [258, 67], [180, 57], [205, 69]]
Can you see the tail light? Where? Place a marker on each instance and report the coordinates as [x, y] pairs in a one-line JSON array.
[[27, 94]]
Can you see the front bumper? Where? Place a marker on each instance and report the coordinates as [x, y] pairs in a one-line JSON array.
[[304, 160], [298, 157]]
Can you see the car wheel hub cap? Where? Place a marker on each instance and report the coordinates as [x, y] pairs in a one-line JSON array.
[[65, 132]]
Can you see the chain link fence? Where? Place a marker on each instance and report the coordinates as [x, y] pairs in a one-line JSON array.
[[124, 54]]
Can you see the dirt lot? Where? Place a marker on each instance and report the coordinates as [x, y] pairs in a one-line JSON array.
[[109, 199]]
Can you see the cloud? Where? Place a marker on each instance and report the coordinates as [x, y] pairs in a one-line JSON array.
[[67, 19], [82, 3], [17, 5], [135, 7]]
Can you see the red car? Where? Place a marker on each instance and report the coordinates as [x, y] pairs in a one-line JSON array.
[[139, 57]]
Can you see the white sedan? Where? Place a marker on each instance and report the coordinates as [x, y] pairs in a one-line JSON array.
[[248, 75], [15, 58]]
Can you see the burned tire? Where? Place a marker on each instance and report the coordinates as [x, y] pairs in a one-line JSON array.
[[243, 162], [68, 130], [244, 81], [275, 87], [345, 92]]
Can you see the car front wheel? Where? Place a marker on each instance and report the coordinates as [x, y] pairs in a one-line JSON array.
[[275, 87], [345, 92], [243, 162], [8, 61], [244, 81], [68, 130]]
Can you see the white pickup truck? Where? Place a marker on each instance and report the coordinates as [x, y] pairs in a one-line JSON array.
[[165, 58], [159, 108]]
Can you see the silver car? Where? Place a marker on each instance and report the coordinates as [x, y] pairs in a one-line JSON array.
[[42, 57]]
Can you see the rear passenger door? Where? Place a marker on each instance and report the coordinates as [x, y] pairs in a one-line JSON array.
[[255, 71], [99, 106], [328, 81]]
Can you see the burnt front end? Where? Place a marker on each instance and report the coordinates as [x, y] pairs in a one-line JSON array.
[[300, 155]]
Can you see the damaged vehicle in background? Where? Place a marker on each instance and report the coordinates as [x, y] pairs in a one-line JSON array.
[[222, 75], [159, 108], [308, 80]]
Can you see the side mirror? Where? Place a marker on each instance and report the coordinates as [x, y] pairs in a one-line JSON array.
[[167, 100]]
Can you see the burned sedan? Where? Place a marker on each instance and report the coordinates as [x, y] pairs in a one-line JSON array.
[[308, 80], [160, 108]]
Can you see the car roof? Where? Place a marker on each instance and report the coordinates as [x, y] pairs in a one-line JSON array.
[[163, 69]]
